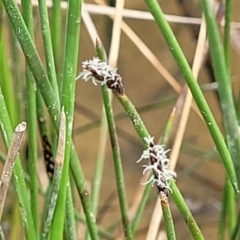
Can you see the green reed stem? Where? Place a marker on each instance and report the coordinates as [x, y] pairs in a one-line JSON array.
[[170, 231], [51, 102], [227, 37], [117, 164], [183, 208], [53, 193], [196, 91], [70, 224], [33, 59], [135, 118], [225, 220], [68, 96], [16, 75], [143, 133], [98, 173], [50, 202], [1, 20], [221, 73], [7, 84], [43, 12], [18, 175], [32, 147], [32, 124], [148, 187], [107, 100], [83, 193], [56, 32], [231, 208]]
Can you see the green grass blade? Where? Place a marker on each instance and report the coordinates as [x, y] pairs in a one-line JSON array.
[[224, 85], [116, 152], [70, 223], [50, 100], [196, 91], [50, 202], [143, 133], [183, 208], [43, 11], [52, 194], [227, 212], [56, 33], [135, 118], [68, 96], [32, 147], [16, 75], [32, 124], [84, 195], [231, 208], [227, 37], [168, 220], [148, 187], [7, 84], [32, 58], [117, 164], [98, 173]]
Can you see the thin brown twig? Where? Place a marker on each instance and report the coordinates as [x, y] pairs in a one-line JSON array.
[[9, 164]]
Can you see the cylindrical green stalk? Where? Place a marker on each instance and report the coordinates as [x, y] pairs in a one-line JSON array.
[[116, 153], [117, 164], [143, 133], [56, 33], [67, 102], [70, 224], [48, 46], [196, 91], [227, 36], [221, 73], [32, 124], [50, 100], [7, 83], [183, 208], [168, 220], [33, 59]]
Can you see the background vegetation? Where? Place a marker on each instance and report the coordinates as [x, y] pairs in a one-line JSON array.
[[93, 190]]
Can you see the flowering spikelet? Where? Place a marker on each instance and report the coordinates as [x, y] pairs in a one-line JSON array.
[[101, 72], [159, 164]]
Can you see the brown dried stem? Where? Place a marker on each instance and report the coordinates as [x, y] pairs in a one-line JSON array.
[[9, 163]]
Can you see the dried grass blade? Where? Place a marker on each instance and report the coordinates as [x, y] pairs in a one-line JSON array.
[[9, 164]]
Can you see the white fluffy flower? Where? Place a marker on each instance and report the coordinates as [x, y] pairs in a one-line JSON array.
[[159, 165], [101, 72]]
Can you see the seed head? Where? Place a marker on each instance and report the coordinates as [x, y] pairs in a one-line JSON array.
[[159, 164], [101, 72]]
